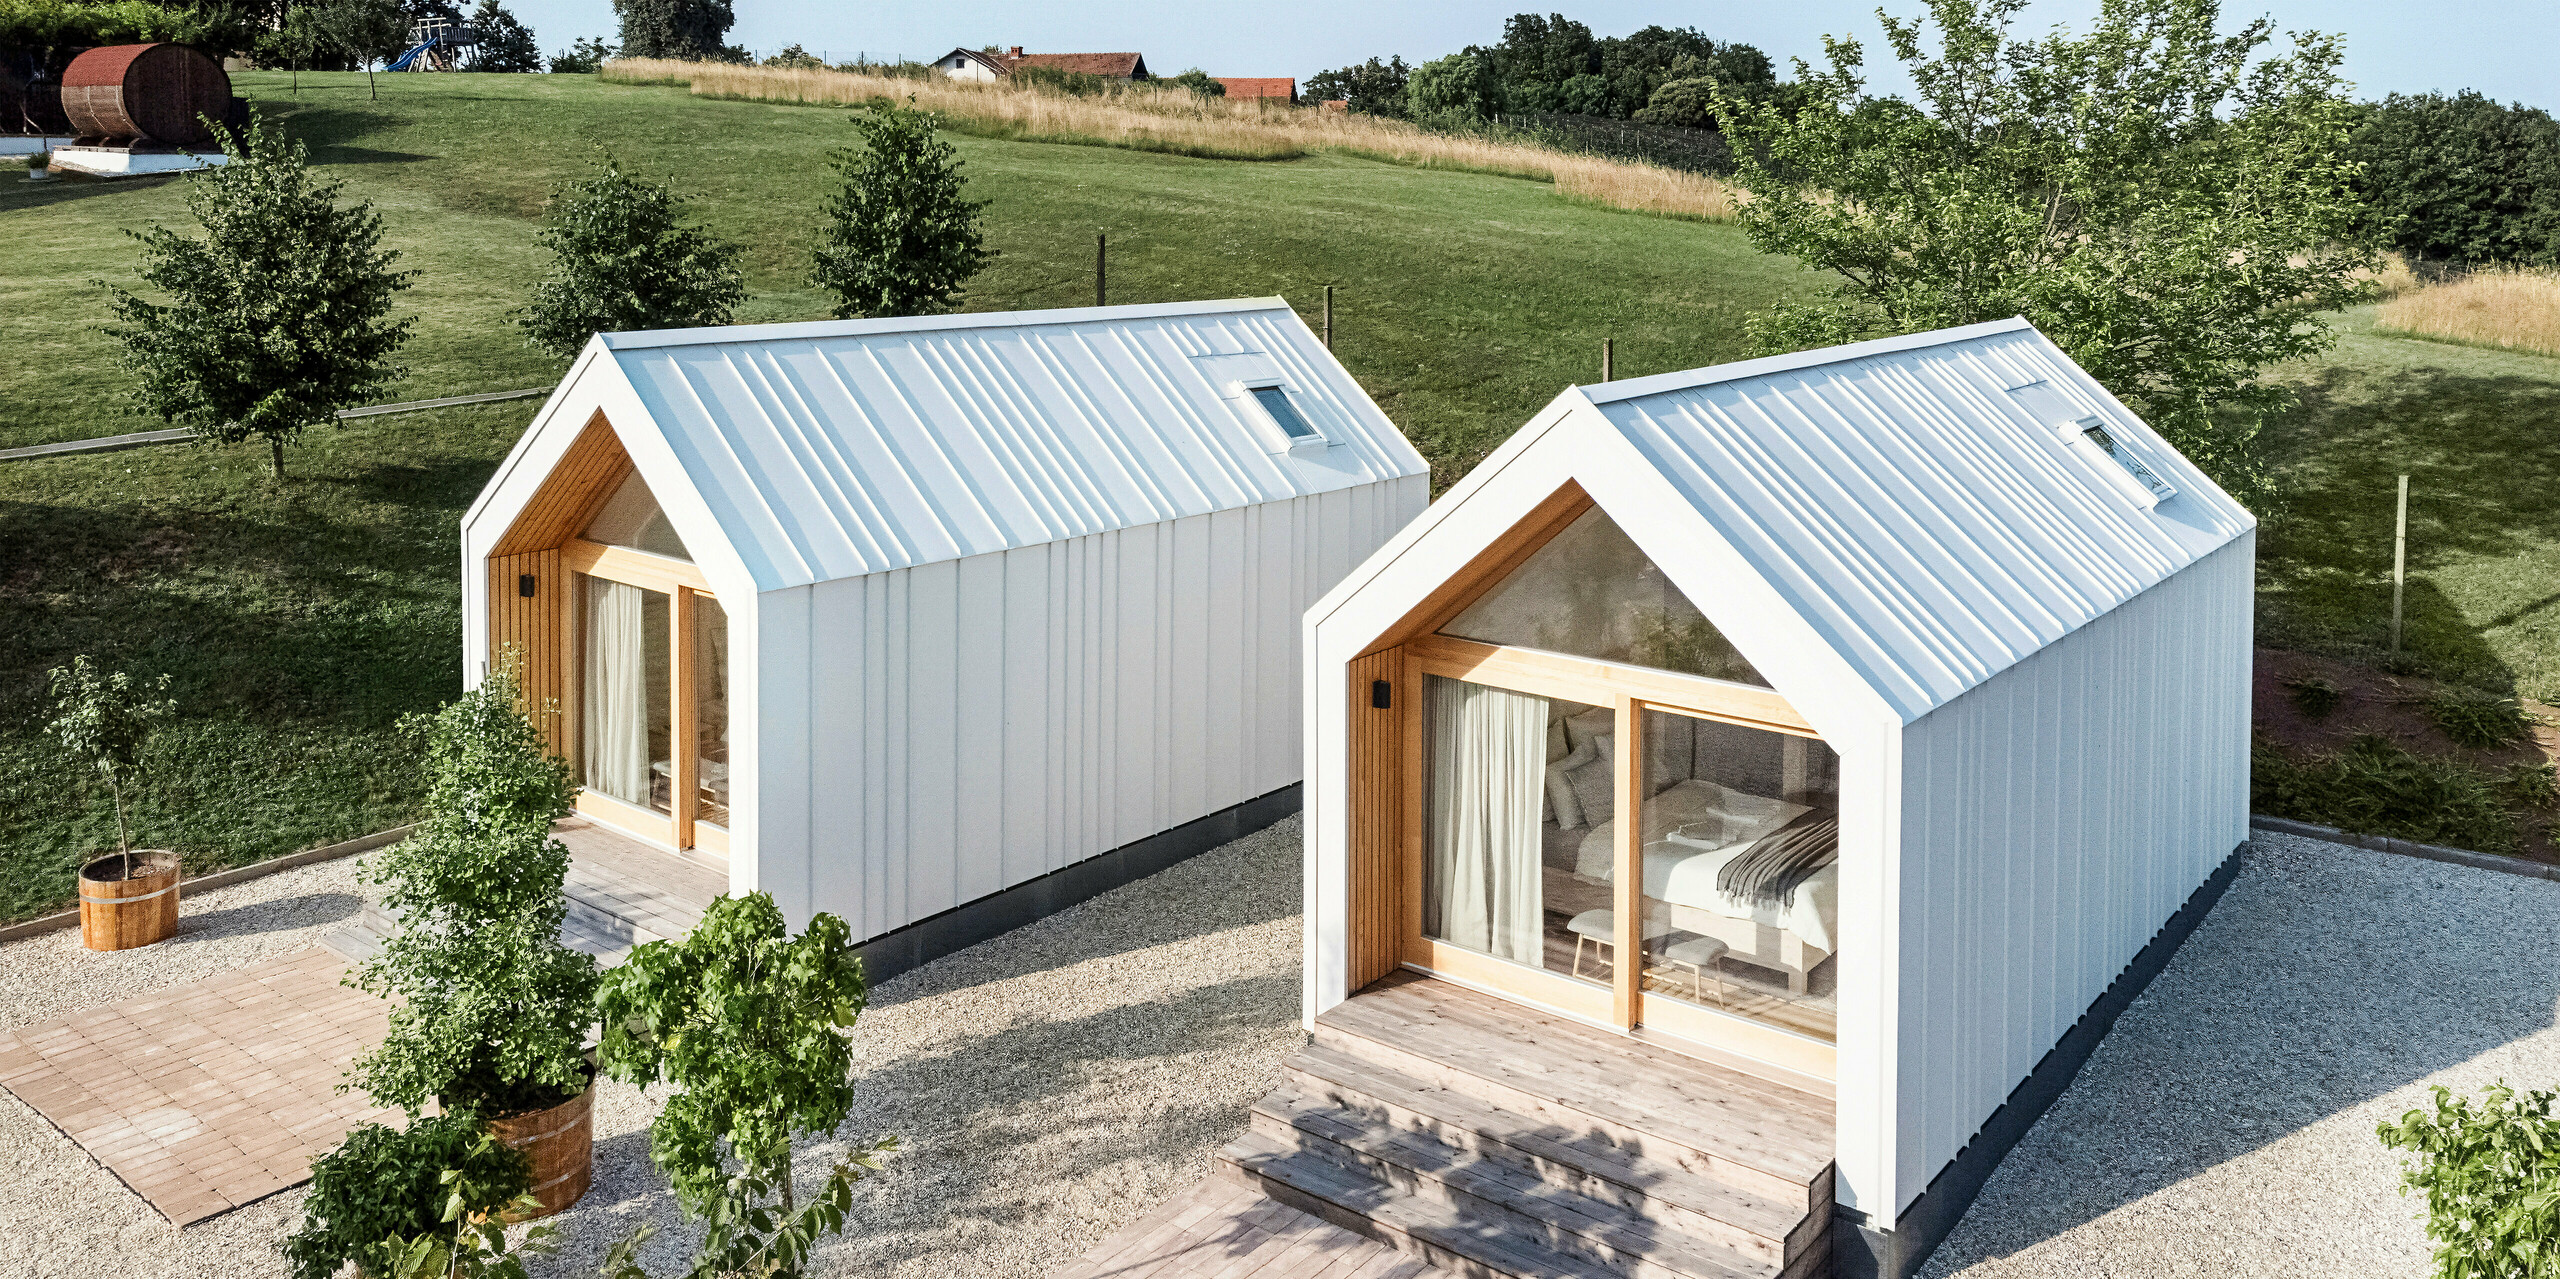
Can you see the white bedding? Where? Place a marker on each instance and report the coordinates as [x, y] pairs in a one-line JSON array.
[[1692, 828]]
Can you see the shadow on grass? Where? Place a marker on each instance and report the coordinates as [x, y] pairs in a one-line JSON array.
[[2484, 485]]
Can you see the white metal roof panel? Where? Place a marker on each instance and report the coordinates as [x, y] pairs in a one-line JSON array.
[[1917, 512], [841, 448]]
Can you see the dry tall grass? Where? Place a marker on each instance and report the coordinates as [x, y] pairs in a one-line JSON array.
[[2509, 310], [1184, 123]]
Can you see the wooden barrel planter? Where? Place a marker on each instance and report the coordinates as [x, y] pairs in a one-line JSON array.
[[145, 93], [120, 910], [561, 1143]]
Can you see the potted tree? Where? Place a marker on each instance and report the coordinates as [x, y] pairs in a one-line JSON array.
[[489, 1011], [130, 898], [40, 167]]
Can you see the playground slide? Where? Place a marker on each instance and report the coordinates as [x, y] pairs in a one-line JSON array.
[[404, 61]]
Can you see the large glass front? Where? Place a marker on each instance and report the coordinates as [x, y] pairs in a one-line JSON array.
[[1592, 592], [1741, 846], [626, 729], [711, 710]]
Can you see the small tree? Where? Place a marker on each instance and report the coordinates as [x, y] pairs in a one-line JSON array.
[[383, 1188], [795, 58], [2491, 1176], [622, 259], [2172, 209], [582, 57], [278, 318], [1453, 91], [1199, 82], [299, 40], [687, 30], [748, 1022], [505, 44], [371, 32], [105, 718], [900, 237], [490, 1012]]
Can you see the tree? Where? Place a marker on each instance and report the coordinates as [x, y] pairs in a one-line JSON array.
[[900, 237], [1199, 82], [582, 57], [278, 318], [505, 44], [795, 58], [299, 40], [1370, 88], [489, 1011], [623, 260], [2461, 179], [105, 719], [688, 30], [2169, 207], [749, 1024], [370, 31], [1454, 90]]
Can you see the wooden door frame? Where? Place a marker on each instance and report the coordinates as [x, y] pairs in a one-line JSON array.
[[1630, 692]]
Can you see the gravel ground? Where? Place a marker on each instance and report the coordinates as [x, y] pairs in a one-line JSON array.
[[2225, 1127], [1048, 1086], [1054, 1083]]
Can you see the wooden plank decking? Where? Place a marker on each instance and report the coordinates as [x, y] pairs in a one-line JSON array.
[[1483, 1138]]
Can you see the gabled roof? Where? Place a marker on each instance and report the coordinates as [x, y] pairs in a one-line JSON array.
[[1284, 88], [988, 60], [843, 447], [1118, 66], [1922, 523]]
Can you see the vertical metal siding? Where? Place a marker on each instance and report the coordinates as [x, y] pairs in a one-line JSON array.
[[978, 723], [2054, 817]]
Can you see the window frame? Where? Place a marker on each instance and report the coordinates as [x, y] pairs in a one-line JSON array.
[[1276, 434]]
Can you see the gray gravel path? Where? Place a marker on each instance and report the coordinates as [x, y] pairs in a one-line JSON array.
[[2225, 1126]]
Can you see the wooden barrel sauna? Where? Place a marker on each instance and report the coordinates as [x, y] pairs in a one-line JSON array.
[[145, 93], [119, 911], [561, 1143]]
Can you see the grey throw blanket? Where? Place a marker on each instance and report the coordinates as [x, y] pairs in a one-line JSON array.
[[1766, 874]]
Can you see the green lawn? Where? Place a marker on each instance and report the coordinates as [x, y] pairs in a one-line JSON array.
[[300, 622]]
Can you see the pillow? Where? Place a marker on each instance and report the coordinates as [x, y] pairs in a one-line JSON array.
[[1560, 797], [1595, 783], [1582, 728]]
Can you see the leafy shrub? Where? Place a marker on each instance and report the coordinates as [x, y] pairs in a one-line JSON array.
[[383, 1185], [490, 1011], [583, 57], [795, 58], [2375, 787], [2480, 720], [2491, 1175], [2534, 785], [1074, 84], [624, 259], [2312, 695], [1199, 82], [899, 239]]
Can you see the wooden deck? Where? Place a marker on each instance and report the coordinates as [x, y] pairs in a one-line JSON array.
[[1489, 1140], [621, 892]]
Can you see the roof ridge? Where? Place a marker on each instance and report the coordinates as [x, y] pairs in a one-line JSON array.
[[806, 330], [1684, 379]]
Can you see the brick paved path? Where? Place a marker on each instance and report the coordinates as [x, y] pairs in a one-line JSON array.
[[208, 1095]]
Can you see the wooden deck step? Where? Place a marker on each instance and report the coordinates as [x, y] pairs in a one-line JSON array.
[[1425, 1228], [1757, 1136], [1222, 1230], [1520, 1204], [1569, 1160]]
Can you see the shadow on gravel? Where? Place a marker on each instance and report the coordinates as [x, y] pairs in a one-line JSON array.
[[2322, 981], [267, 917]]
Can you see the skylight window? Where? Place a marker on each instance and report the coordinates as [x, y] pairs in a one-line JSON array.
[[2095, 432], [2086, 434], [1284, 415]]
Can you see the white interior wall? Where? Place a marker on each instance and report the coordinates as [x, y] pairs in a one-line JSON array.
[[929, 736], [2052, 819]]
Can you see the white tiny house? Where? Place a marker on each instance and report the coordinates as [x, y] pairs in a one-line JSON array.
[[936, 624], [1884, 705]]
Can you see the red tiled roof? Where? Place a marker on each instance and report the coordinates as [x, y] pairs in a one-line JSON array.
[[1284, 88], [1118, 66]]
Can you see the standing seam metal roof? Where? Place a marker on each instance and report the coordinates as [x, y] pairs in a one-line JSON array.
[[839, 449], [1915, 512]]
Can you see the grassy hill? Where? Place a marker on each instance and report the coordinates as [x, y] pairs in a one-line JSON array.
[[301, 621]]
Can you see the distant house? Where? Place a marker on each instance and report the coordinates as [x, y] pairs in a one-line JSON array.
[[1281, 88], [970, 64]]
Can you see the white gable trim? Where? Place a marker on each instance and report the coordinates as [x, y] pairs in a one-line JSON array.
[[808, 329]]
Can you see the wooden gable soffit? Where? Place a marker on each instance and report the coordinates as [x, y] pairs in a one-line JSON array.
[[1490, 565], [585, 476]]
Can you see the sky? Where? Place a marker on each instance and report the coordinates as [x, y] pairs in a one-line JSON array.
[[2507, 49]]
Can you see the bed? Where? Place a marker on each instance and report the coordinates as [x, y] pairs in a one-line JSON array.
[[1691, 829]]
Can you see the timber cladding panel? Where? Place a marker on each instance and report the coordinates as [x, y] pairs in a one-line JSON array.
[[1377, 819], [584, 477], [532, 629]]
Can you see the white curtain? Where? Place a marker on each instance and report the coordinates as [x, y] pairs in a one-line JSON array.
[[617, 693], [1488, 771]]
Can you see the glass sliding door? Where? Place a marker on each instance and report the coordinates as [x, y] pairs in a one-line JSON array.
[[711, 712], [627, 725]]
